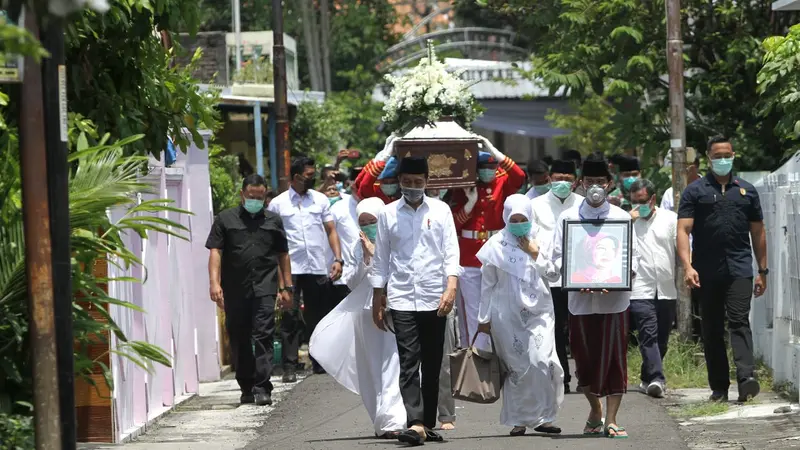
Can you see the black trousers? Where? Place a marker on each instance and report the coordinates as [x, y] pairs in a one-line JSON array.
[[314, 290], [654, 319], [420, 341], [561, 309], [720, 300], [250, 322]]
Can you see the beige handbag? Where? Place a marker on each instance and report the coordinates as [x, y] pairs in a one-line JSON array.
[[476, 375]]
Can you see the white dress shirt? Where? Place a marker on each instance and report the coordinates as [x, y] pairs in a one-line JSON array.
[[668, 200], [415, 252], [304, 217], [595, 303], [344, 216], [546, 210], [656, 239]]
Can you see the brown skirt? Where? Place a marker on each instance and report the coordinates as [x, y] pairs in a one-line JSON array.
[[599, 345]]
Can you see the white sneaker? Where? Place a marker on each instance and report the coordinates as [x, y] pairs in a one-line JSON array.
[[655, 389]]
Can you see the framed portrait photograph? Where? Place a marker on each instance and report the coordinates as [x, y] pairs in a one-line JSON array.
[[596, 255]]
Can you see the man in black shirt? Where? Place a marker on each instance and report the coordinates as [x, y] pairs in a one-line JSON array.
[[723, 213], [248, 246]]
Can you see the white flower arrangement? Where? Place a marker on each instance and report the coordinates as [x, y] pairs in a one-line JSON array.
[[428, 93]]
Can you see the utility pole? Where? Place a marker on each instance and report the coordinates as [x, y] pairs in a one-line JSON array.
[[677, 143], [54, 79], [38, 254], [280, 107], [237, 30]]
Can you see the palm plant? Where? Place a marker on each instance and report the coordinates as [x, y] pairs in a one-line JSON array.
[[102, 178]]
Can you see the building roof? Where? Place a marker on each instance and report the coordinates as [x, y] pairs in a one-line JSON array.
[[293, 97]]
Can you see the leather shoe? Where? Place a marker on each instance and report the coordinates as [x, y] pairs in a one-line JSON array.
[[289, 377], [263, 399], [748, 388], [411, 437], [247, 399]]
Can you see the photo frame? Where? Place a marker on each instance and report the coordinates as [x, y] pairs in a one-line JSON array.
[[596, 255]]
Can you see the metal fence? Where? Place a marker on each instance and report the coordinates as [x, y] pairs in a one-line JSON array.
[[776, 317]]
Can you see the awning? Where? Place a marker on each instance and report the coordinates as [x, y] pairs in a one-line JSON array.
[[522, 117]]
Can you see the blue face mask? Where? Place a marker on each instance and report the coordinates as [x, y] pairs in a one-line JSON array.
[[561, 189], [628, 182], [542, 188], [722, 166], [334, 200], [370, 231], [486, 175], [442, 193], [253, 205], [520, 229], [389, 190]]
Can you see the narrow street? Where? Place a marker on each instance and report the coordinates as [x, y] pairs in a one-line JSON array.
[[321, 415]]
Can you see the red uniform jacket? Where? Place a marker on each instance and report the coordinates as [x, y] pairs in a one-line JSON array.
[[487, 215], [366, 185]]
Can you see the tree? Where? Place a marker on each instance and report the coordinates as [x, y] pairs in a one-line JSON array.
[[588, 125], [779, 84], [615, 48]]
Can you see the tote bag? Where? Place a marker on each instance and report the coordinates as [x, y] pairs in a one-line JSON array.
[[476, 375]]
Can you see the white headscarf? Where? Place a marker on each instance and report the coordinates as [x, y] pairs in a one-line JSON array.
[[502, 250], [371, 206]]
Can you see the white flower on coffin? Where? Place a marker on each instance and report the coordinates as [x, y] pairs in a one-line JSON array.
[[429, 92]]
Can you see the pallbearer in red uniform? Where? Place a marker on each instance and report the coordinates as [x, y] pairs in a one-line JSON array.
[[478, 214], [379, 177]]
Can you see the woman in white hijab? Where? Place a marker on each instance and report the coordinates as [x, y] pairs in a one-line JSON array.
[[517, 309], [350, 348]]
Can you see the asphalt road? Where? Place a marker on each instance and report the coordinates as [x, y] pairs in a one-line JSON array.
[[321, 415]]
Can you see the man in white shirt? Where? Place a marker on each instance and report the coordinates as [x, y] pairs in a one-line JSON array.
[[654, 298], [599, 324], [311, 232], [546, 210], [417, 260]]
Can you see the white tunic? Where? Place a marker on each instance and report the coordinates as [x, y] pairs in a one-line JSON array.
[[523, 325], [546, 209], [359, 356], [656, 240]]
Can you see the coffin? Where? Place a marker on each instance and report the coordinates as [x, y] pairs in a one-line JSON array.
[[452, 153]]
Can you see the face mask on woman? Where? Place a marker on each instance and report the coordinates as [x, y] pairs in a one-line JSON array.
[[520, 229], [370, 231]]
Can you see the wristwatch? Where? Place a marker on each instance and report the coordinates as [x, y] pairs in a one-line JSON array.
[[763, 272], [340, 261], [289, 289]]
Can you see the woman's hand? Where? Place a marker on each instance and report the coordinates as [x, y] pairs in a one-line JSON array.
[[529, 246], [368, 246]]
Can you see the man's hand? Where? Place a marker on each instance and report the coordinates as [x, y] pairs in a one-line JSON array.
[[592, 291], [692, 278], [760, 285], [529, 246], [285, 300], [336, 271], [485, 328], [217, 295], [343, 154], [379, 312], [634, 214], [446, 302], [472, 199]]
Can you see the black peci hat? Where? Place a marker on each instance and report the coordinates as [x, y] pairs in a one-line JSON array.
[[595, 165], [563, 166], [413, 165]]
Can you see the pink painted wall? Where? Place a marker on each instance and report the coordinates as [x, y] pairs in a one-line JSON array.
[[179, 317]]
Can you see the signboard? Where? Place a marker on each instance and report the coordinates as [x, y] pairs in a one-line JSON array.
[[11, 66]]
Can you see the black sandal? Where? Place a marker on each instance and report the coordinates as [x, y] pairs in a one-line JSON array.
[[388, 435], [549, 429], [433, 436], [518, 431], [411, 437]]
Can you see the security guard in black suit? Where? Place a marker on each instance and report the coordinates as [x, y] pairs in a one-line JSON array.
[[723, 213]]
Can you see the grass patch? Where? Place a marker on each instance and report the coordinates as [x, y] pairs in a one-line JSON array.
[[685, 366], [701, 409]]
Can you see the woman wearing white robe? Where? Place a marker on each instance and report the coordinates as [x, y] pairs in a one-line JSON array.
[[516, 306], [350, 348]]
